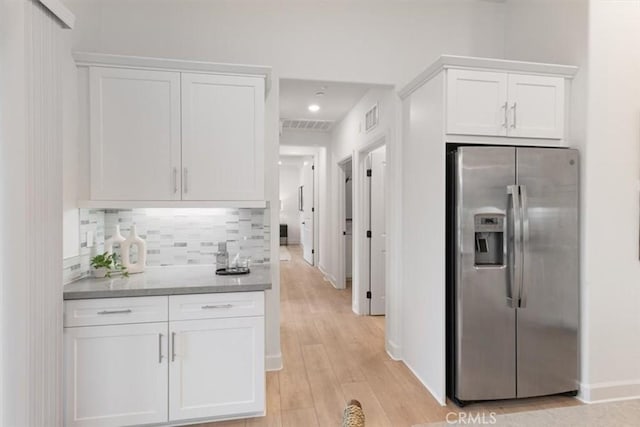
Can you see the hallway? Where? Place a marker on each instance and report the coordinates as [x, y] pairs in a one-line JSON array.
[[330, 356]]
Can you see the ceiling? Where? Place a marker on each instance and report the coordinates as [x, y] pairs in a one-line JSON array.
[[338, 99], [297, 161]]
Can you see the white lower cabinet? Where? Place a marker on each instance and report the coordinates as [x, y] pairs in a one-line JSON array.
[[217, 368], [116, 375], [163, 372]]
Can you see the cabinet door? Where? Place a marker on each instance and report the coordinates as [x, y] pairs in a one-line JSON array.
[[536, 106], [135, 134], [116, 375], [216, 368], [476, 103], [222, 137]]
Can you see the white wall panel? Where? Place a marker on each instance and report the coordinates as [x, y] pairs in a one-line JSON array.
[[32, 217]]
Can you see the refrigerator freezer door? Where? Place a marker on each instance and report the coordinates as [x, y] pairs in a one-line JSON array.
[[485, 321], [547, 320]]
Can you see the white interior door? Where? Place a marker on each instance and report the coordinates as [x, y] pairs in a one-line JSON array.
[[308, 211], [377, 242]]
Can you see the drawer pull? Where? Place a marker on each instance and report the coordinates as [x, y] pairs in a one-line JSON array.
[[127, 311], [207, 307]]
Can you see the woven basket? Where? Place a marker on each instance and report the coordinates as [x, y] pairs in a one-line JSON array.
[[353, 415]]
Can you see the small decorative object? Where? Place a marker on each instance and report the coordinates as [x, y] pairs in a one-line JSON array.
[[116, 238], [105, 264], [125, 251], [222, 257], [353, 415]]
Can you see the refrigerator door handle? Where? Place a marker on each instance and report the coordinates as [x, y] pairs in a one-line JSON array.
[[515, 250], [522, 293]]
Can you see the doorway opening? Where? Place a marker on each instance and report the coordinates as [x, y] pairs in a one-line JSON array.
[[298, 206], [345, 168]]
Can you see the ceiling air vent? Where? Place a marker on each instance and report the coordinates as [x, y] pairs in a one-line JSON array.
[[371, 118], [308, 125]]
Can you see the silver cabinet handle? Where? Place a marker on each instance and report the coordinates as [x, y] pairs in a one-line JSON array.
[[185, 175], [515, 250], [127, 311], [173, 346], [175, 180], [505, 123], [525, 245], [160, 356], [206, 307], [514, 124]]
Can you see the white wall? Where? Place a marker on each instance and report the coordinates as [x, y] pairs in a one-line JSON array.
[[350, 139], [598, 36], [371, 41], [289, 184], [611, 160]]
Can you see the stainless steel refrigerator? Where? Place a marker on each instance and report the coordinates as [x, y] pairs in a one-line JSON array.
[[514, 297]]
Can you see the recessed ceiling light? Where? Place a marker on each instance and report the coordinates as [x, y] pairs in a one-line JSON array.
[[280, 162], [314, 108]]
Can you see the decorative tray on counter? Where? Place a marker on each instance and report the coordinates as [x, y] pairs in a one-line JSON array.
[[233, 271]]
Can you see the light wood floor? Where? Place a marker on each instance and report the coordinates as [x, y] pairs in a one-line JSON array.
[[330, 356]]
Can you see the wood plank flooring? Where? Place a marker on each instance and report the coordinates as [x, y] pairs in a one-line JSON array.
[[330, 356]]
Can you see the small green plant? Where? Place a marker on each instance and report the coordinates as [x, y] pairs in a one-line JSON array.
[[110, 263]]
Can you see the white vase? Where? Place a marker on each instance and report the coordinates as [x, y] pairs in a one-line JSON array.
[[116, 238], [99, 272], [125, 252]]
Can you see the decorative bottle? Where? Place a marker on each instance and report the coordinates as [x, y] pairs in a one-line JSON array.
[[117, 238], [125, 251], [222, 257]]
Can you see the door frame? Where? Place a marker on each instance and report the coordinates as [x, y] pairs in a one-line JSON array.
[[361, 256], [341, 279], [314, 220]]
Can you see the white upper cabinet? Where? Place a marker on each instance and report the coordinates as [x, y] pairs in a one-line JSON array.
[[487, 103], [135, 134], [222, 137], [536, 106], [477, 103], [169, 133]]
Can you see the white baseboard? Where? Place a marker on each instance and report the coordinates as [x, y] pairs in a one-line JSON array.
[[609, 391], [393, 350], [328, 276], [442, 400], [273, 362]]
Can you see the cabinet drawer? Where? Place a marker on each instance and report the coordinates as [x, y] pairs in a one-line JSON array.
[[213, 306], [114, 311]]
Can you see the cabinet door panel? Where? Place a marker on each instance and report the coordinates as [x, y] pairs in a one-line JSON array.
[[115, 376], [218, 368], [536, 106], [135, 134], [223, 134], [476, 103]]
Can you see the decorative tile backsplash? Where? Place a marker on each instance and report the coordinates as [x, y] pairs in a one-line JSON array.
[[176, 236]]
